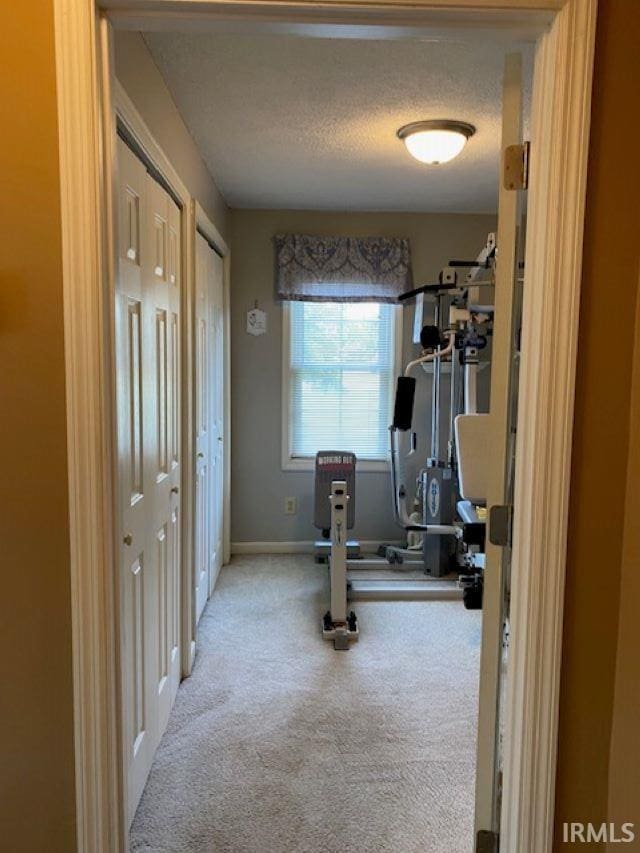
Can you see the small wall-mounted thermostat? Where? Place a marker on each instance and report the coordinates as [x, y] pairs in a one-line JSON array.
[[256, 321]]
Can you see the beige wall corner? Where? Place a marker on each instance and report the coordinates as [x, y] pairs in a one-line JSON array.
[[37, 789], [139, 75]]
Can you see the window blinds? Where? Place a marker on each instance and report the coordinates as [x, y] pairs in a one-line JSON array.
[[341, 377]]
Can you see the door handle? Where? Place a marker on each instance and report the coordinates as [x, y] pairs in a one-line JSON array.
[[200, 456], [174, 490], [127, 539]]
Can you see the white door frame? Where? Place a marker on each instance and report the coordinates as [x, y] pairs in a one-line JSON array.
[[560, 134]]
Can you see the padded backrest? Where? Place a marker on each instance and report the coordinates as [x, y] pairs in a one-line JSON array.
[[333, 465], [472, 445]]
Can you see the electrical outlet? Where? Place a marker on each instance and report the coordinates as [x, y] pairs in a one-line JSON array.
[[290, 506]]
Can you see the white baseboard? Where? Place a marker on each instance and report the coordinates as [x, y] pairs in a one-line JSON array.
[[271, 547], [304, 547]]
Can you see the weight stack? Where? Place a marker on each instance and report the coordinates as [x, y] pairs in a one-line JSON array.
[[438, 502]]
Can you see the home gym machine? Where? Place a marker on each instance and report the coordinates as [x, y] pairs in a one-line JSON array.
[[452, 485], [446, 526]]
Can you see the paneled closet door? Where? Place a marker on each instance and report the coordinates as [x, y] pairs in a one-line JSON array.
[[216, 299], [202, 362], [134, 410], [209, 385], [162, 286], [148, 413]]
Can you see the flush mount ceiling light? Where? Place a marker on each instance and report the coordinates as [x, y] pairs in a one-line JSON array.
[[436, 141]]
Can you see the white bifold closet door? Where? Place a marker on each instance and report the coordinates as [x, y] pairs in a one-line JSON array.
[[148, 414], [209, 378]]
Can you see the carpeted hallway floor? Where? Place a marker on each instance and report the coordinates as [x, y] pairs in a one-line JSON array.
[[278, 743]]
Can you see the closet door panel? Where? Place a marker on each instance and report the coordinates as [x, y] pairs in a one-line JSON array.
[[174, 469], [148, 295], [135, 491], [203, 437], [209, 385], [162, 291], [216, 384]]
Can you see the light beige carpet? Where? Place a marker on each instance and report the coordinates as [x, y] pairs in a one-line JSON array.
[[278, 743]]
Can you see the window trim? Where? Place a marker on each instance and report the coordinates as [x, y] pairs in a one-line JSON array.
[[307, 463]]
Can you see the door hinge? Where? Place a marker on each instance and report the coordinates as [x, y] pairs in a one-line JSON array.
[[487, 842], [516, 167], [500, 525]]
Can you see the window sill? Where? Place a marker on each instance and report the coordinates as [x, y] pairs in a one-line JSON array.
[[300, 463]]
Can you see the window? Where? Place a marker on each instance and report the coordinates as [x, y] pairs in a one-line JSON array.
[[339, 379]]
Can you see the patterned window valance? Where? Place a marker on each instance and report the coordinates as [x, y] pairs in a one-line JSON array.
[[342, 269]]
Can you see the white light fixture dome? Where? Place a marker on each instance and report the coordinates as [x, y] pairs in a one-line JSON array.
[[436, 141]]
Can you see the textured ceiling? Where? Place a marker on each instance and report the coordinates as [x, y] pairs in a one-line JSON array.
[[304, 123]]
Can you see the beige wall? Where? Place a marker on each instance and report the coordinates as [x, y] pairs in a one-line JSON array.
[[259, 485], [144, 84], [602, 435], [624, 765], [37, 800]]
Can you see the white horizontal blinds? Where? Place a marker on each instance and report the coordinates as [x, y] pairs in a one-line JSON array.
[[341, 377]]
